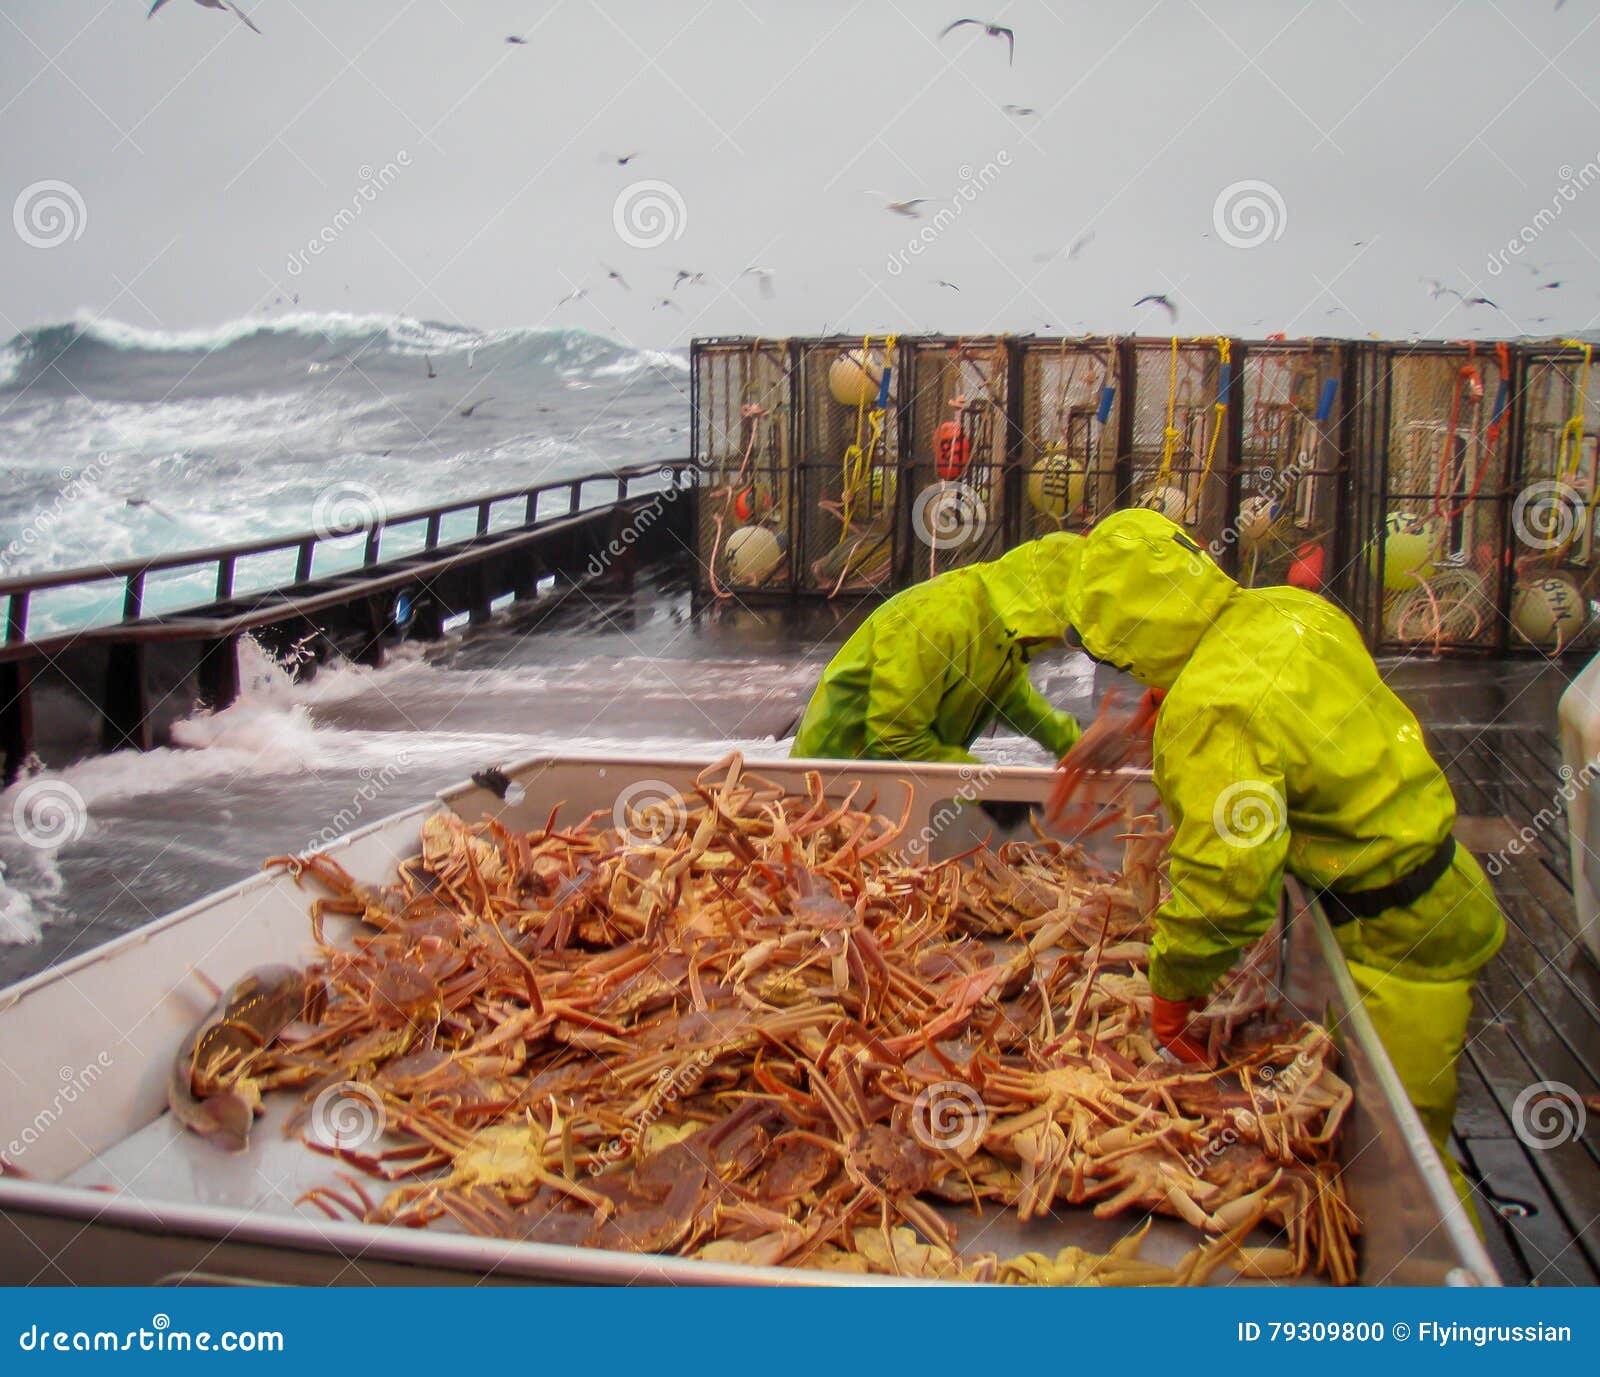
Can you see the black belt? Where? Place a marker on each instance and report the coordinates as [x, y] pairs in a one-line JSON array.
[[1369, 903]]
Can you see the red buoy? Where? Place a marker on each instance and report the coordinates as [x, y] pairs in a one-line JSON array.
[[1306, 570], [952, 451]]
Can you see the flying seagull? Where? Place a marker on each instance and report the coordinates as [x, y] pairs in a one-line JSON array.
[[429, 361], [1158, 299], [763, 278], [517, 39], [577, 295], [666, 301], [992, 30], [618, 278], [1074, 250], [940, 282], [238, 13], [1478, 301], [466, 411], [684, 275], [1437, 289], [1549, 286], [1019, 110], [906, 208], [620, 159]]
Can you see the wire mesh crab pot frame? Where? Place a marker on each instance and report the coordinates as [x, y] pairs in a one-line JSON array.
[[1285, 500], [957, 460], [1430, 568], [742, 448], [1182, 402], [1555, 565], [1070, 427], [852, 505]]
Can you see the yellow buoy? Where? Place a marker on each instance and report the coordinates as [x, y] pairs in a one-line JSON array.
[[752, 554], [1410, 546], [1057, 484], [1255, 520], [1171, 502], [1548, 610], [854, 378]]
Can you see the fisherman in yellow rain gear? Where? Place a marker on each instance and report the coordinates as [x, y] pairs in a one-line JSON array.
[[1278, 747], [938, 662]]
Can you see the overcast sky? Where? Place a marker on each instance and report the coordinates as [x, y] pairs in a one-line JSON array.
[[204, 158]]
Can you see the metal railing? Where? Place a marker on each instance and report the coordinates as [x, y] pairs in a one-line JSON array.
[[223, 559]]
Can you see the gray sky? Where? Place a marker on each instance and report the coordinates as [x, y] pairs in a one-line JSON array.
[[204, 157]]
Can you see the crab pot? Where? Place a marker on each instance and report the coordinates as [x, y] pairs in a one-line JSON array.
[[742, 450], [1555, 577], [1285, 482], [960, 440], [850, 496], [1433, 541], [1071, 413], [1178, 450]]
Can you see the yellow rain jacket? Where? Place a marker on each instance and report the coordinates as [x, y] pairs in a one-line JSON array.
[[937, 663], [1278, 746]]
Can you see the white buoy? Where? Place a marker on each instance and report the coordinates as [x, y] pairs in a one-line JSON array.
[[854, 378]]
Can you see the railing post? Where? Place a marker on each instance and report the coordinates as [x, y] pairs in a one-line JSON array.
[[374, 537], [431, 539], [225, 577], [302, 563], [133, 597], [483, 518], [575, 502], [530, 511], [17, 617]]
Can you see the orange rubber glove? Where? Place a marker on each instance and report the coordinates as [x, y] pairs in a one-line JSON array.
[[1170, 1022]]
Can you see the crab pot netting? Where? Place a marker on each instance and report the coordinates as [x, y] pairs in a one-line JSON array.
[[1179, 459], [1070, 400], [1556, 546], [742, 439], [1435, 542], [958, 442], [849, 464], [1289, 466]]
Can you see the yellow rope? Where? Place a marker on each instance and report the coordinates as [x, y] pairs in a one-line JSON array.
[[1572, 432], [1219, 413], [1170, 438]]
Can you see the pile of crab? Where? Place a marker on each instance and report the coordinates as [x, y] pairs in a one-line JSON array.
[[762, 1034]]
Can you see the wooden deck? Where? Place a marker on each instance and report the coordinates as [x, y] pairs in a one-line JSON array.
[[1538, 1010]]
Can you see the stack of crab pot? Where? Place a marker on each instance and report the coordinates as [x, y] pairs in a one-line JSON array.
[[1555, 575], [742, 449], [960, 446], [1071, 416], [851, 416], [1428, 566]]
